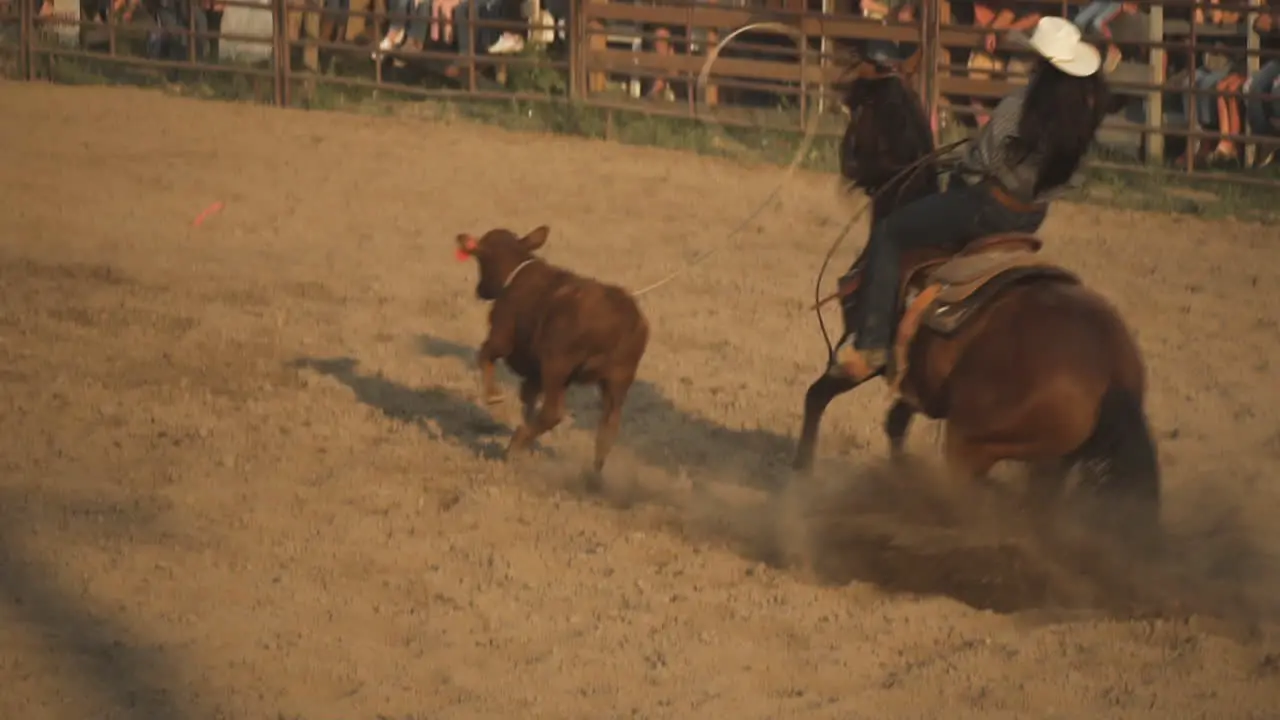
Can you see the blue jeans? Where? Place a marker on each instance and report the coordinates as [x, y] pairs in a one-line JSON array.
[[1260, 112], [419, 18], [486, 10], [1207, 105], [171, 17], [1093, 15], [947, 220]]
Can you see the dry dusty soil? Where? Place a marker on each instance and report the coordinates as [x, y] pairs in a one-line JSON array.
[[244, 473]]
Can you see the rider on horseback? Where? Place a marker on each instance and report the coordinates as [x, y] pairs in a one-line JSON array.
[[1022, 159]]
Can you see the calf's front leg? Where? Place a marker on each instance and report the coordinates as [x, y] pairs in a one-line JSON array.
[[494, 348]]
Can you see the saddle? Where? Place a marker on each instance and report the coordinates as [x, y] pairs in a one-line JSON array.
[[943, 295]]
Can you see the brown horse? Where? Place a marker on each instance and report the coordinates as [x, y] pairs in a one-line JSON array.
[[1020, 359]]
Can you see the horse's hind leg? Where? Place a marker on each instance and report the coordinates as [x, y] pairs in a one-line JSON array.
[[816, 399], [896, 425], [968, 462]]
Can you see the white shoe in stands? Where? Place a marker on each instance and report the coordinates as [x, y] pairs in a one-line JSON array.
[[392, 41], [508, 44]]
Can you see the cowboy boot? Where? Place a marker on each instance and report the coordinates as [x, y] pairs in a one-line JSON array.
[[861, 363], [871, 320]]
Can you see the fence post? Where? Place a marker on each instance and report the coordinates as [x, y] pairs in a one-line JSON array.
[[574, 39], [1155, 99], [1253, 44], [281, 51], [1193, 100], [804, 73], [24, 38], [192, 8], [932, 57]]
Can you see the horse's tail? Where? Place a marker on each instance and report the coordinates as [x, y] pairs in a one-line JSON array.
[[1120, 463]]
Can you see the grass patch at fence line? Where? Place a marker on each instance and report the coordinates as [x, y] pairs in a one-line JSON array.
[[1137, 188]]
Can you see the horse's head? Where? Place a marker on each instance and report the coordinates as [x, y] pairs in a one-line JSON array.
[[887, 129]]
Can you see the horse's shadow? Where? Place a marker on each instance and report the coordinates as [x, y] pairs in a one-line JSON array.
[[659, 433]]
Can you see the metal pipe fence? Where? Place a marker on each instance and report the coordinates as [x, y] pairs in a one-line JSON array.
[[1174, 60]]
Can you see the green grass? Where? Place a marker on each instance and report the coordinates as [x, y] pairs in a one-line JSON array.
[[1136, 188]]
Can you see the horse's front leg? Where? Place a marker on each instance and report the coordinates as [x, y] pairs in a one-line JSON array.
[[896, 425], [816, 399]]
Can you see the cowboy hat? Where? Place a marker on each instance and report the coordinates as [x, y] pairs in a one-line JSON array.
[[1058, 41]]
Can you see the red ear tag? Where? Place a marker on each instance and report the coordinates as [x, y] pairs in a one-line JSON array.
[[461, 255]]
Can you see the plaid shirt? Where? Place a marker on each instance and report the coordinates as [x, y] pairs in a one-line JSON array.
[[989, 155]]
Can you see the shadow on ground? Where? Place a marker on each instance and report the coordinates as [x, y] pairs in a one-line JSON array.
[[443, 414], [112, 668], [686, 441], [885, 525]]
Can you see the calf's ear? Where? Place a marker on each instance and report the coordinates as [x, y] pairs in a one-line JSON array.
[[535, 239], [467, 243]]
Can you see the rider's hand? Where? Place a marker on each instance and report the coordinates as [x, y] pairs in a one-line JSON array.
[[989, 42]]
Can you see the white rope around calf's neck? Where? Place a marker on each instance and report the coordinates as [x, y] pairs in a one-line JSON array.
[[516, 272]]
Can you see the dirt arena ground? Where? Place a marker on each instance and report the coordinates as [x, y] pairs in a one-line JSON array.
[[245, 476]]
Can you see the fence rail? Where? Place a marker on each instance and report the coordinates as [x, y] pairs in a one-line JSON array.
[[1178, 68]]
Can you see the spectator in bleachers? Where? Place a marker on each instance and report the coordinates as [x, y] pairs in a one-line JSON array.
[[1219, 78], [1216, 15], [1263, 114], [412, 35], [1095, 19], [487, 39], [997, 17], [173, 17]]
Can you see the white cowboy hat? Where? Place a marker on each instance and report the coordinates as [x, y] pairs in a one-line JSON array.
[[1058, 41]]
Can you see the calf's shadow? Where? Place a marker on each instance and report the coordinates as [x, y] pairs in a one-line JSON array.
[[660, 434], [656, 431], [440, 412]]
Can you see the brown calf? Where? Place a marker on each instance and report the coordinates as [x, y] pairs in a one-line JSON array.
[[554, 328]]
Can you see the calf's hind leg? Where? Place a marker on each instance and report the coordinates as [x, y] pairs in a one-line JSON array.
[[553, 384], [613, 392]]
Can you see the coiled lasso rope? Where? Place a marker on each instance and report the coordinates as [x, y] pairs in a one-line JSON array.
[[908, 173], [701, 111]]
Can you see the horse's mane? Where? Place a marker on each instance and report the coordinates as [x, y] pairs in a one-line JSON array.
[[887, 132]]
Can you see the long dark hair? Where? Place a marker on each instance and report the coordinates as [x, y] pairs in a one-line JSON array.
[[1060, 117]]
